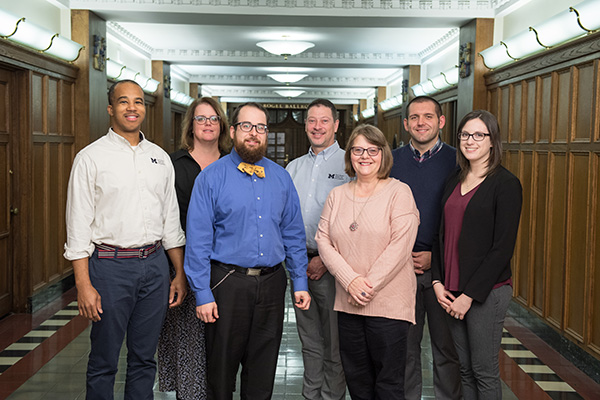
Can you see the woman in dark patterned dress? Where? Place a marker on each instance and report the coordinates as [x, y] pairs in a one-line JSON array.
[[181, 348]]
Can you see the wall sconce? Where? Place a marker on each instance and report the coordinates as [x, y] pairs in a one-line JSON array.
[[368, 113], [151, 85], [587, 15], [180, 98], [569, 24], [113, 69], [439, 82], [495, 56], [356, 117], [148, 84], [21, 31], [451, 75], [442, 81], [119, 72], [418, 90], [390, 103], [428, 86]]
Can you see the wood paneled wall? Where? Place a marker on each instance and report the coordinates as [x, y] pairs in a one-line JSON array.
[[53, 130], [548, 109], [40, 103]]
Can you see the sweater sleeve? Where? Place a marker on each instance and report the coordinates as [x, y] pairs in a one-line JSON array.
[[333, 260]]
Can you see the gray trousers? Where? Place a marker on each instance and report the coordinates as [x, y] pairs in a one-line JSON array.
[[318, 331], [478, 338], [446, 375]]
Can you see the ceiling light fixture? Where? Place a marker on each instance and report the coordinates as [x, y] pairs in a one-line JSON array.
[[285, 47], [289, 93], [287, 78], [21, 31]]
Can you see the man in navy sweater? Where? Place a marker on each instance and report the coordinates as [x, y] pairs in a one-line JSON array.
[[424, 164]]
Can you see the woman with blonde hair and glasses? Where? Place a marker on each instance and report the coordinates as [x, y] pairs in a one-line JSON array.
[[365, 237], [471, 255], [181, 348]]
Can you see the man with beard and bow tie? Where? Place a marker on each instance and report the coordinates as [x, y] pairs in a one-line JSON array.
[[243, 222]]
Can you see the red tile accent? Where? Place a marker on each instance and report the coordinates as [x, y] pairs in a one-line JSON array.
[[583, 384]]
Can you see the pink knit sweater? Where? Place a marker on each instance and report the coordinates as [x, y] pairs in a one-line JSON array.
[[380, 249]]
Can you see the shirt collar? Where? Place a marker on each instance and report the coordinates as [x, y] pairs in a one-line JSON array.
[[115, 137], [328, 152], [425, 156]]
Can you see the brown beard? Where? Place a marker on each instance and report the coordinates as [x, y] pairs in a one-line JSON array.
[[247, 154]]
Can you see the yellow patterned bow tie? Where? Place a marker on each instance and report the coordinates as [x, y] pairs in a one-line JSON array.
[[252, 169]]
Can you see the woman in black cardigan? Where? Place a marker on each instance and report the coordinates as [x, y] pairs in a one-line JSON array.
[[471, 257]]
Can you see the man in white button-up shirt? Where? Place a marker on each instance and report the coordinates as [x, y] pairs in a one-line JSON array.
[[122, 215]]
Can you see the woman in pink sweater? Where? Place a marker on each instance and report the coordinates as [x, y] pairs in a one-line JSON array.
[[365, 238]]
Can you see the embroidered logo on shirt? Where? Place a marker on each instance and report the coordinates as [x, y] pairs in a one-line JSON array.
[[339, 177], [157, 161]]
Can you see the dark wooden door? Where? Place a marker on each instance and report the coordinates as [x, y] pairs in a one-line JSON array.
[[6, 207]]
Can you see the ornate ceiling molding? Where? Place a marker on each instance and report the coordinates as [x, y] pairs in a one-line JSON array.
[[310, 81], [259, 56], [127, 37], [384, 5], [182, 55], [260, 92], [442, 42]]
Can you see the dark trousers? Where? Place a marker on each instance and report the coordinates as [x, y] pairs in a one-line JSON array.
[[446, 367], [373, 351], [134, 294], [478, 338], [248, 332]]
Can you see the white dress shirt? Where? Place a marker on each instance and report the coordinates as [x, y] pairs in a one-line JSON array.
[[314, 176], [121, 195]]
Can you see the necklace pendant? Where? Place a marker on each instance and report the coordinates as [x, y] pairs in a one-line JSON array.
[[353, 226]]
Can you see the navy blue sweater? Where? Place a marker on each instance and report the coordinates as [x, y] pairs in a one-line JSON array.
[[426, 180]]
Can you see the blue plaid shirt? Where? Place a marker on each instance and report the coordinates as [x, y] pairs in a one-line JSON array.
[[428, 154]]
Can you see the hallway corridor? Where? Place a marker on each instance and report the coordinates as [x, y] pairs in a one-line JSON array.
[[44, 356]]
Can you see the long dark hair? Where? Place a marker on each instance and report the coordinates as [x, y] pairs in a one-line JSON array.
[[495, 158]]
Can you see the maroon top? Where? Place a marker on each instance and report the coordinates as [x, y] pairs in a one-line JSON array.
[[454, 211]]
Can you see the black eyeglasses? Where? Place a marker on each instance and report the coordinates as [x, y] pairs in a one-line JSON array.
[[477, 136], [246, 126], [213, 119], [359, 151]]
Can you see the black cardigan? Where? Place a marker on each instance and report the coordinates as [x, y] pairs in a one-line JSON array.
[[488, 235]]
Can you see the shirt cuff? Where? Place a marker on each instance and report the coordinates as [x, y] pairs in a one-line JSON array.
[[71, 254], [204, 297], [171, 243], [300, 284]]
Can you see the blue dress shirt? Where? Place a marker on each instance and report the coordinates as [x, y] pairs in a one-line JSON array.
[[241, 219]]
